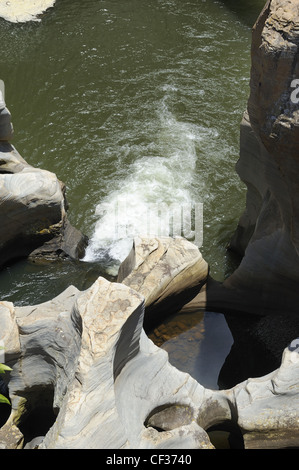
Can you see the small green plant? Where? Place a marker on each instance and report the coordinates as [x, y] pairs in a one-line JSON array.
[[4, 368]]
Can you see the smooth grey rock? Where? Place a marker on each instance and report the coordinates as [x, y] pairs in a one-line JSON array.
[[88, 346], [86, 356], [268, 407], [34, 443], [10, 159], [31, 202], [6, 128], [268, 273]]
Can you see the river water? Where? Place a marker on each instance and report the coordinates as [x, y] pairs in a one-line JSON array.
[[133, 100]]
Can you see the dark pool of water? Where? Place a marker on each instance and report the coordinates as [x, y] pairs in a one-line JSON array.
[[197, 344]]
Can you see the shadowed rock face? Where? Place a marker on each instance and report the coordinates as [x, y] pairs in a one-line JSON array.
[[267, 234], [265, 285], [273, 113], [6, 128]]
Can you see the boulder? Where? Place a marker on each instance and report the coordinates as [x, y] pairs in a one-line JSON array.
[[33, 212], [167, 271], [31, 204]]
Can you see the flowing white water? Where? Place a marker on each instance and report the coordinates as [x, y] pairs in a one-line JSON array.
[[157, 179]]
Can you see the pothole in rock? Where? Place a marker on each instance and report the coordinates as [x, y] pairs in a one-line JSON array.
[[40, 415], [196, 343], [169, 416], [226, 435]]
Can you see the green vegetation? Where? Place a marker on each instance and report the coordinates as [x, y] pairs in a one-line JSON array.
[[3, 368]]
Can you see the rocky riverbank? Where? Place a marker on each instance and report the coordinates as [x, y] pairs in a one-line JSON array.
[[83, 363], [266, 280], [85, 373]]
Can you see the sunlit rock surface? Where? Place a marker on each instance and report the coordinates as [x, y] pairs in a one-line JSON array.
[[167, 271], [88, 352], [84, 362]]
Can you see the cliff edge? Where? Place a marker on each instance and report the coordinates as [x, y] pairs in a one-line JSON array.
[[268, 232]]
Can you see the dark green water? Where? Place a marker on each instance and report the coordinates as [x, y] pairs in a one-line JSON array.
[[135, 99]]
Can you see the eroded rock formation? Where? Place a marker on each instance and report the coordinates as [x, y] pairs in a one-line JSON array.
[[267, 235], [86, 351], [265, 285], [84, 360]]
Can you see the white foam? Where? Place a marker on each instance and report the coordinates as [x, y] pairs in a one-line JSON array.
[[153, 180]]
